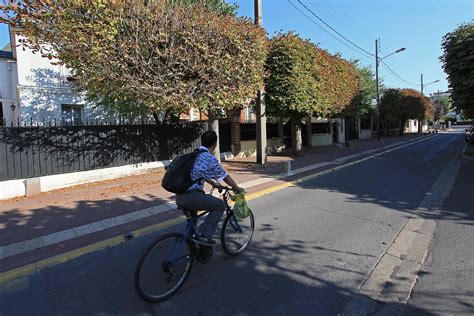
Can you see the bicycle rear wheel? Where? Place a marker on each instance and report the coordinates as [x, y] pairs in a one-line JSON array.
[[164, 267], [237, 233]]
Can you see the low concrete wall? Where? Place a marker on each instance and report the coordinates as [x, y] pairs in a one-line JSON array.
[[16, 188], [11, 189], [248, 148], [322, 139], [365, 134]]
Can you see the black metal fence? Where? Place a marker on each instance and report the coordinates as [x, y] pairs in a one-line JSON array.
[[32, 151]]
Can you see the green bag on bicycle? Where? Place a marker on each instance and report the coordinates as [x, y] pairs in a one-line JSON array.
[[241, 209]]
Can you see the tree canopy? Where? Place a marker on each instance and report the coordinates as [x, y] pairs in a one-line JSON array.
[[363, 102], [305, 80], [163, 55], [458, 63], [399, 105], [442, 107]]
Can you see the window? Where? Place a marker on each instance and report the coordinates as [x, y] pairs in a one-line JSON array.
[[72, 114], [414, 122], [407, 125]]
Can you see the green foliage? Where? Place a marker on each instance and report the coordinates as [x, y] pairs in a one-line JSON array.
[[363, 102], [132, 54], [458, 63], [402, 104], [221, 6], [305, 80], [442, 107], [291, 89]]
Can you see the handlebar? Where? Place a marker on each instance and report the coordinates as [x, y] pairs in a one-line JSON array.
[[222, 188]]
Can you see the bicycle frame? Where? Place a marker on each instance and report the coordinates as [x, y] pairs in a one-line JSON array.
[[191, 223]]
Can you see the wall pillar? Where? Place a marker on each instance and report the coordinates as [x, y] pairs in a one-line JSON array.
[[235, 132]]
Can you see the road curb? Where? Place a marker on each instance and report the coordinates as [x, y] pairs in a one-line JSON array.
[[391, 280], [114, 241]]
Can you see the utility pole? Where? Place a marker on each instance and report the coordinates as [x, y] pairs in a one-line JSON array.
[[260, 103], [377, 86], [420, 127]]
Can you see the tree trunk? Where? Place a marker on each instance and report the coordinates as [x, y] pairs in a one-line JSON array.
[[214, 126], [420, 127], [281, 131], [309, 132], [346, 131], [296, 138], [402, 127]]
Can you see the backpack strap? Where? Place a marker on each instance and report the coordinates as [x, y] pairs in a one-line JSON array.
[[199, 151]]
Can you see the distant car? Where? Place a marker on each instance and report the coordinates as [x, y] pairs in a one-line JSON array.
[[470, 135]]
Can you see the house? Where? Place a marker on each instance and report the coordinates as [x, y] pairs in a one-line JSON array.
[[8, 83], [33, 88]]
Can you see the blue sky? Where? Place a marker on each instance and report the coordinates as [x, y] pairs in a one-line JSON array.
[[417, 25]]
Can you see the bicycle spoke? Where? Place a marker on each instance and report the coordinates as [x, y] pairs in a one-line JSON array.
[[164, 268]]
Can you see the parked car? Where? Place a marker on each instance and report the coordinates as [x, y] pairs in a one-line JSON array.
[[470, 135]]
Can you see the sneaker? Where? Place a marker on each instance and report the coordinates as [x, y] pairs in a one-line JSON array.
[[203, 240]]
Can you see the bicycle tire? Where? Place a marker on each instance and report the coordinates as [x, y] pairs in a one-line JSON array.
[[156, 298], [227, 222]]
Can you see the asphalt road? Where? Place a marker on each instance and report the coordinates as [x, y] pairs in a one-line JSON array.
[[446, 283], [314, 245]]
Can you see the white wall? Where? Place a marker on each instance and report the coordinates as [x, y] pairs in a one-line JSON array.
[[42, 87], [365, 134], [412, 128], [321, 139], [8, 83], [248, 148], [341, 125]]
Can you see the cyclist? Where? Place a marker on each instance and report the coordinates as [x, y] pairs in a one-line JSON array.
[[206, 169]]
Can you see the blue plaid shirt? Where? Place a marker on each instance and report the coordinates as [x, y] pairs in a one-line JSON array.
[[206, 166]]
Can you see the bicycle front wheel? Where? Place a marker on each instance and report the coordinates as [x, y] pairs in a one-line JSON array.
[[237, 233], [163, 268]]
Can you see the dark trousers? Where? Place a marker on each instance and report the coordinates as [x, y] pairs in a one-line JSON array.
[[199, 201]]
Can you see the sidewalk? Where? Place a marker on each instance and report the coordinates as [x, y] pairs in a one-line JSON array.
[[52, 223]]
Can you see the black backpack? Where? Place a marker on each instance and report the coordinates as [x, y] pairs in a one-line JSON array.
[[177, 178]]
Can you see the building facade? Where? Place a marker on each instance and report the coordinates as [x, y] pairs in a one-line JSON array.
[[36, 89]]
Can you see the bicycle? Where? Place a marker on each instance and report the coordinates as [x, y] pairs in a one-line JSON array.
[[180, 251]]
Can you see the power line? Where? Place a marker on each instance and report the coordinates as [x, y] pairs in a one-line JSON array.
[[329, 33], [397, 75], [334, 30], [344, 16], [343, 21]]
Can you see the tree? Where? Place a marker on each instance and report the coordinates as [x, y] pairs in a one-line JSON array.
[[400, 105], [219, 6], [363, 102], [458, 63], [442, 107], [305, 80], [157, 56]]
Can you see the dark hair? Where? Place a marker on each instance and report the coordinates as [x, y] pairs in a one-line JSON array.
[[208, 139]]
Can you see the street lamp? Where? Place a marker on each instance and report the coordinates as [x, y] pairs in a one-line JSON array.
[[377, 60], [427, 84], [395, 52]]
